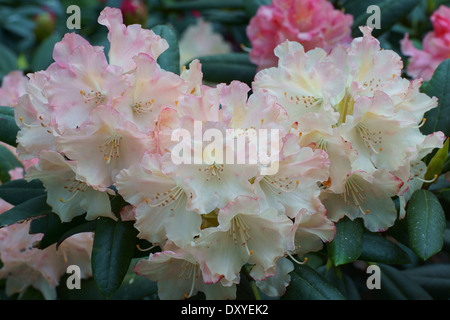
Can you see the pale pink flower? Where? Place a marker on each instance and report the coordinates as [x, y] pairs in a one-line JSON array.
[[68, 196], [25, 266], [311, 230], [366, 196], [313, 23], [180, 275], [14, 85], [86, 82], [435, 46], [151, 89], [201, 40], [295, 185], [276, 285], [128, 41], [104, 146], [160, 203], [353, 104], [244, 234]]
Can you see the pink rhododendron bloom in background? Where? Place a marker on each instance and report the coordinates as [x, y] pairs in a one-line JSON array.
[[435, 46], [313, 23]]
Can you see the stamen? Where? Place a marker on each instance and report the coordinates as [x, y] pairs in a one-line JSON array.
[[143, 107], [111, 148], [172, 195], [428, 181], [354, 192], [296, 261], [422, 123], [370, 138], [146, 249], [74, 187], [305, 101], [214, 170], [241, 228], [41, 124], [93, 96], [278, 185]]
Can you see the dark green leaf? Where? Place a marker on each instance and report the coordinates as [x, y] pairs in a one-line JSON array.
[[398, 286], [426, 223], [438, 119], [228, 67], [434, 278], [347, 244], [376, 248], [202, 4], [436, 164], [133, 287], [29, 209], [87, 226], [114, 244], [391, 12], [341, 281], [8, 127], [56, 231], [8, 61], [169, 60], [251, 6], [43, 55], [17, 191], [8, 161], [238, 17], [308, 284]]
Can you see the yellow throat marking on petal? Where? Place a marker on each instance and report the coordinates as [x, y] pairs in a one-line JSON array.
[[345, 107]]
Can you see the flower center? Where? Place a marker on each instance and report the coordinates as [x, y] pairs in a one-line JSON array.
[[111, 148], [73, 186], [173, 195], [280, 184], [213, 171], [143, 107], [42, 123], [371, 139], [305, 101], [97, 97], [189, 271], [240, 229], [354, 192]]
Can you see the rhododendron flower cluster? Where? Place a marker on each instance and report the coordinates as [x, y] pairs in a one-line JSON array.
[[435, 46], [313, 23], [346, 124], [353, 104], [95, 124]]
